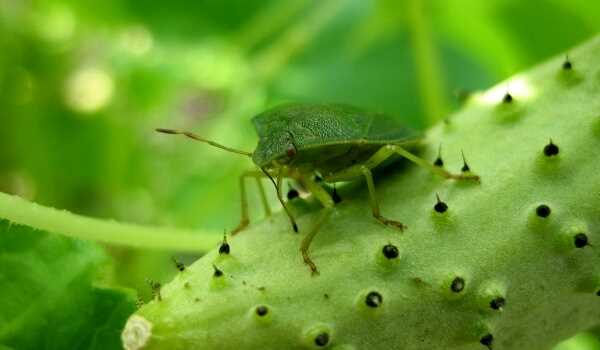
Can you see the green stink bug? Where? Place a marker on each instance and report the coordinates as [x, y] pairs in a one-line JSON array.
[[337, 142]]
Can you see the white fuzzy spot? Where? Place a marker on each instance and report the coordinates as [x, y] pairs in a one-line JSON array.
[[518, 87], [137, 332], [89, 89]]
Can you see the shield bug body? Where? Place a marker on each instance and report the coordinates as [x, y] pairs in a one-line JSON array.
[[335, 142]]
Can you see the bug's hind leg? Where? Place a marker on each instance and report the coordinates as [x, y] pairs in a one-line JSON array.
[[245, 219], [435, 169], [328, 203], [375, 205]]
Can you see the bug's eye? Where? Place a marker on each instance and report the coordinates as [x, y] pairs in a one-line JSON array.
[[291, 151]]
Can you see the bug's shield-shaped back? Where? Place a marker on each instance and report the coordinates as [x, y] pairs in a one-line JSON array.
[[313, 126], [386, 129]]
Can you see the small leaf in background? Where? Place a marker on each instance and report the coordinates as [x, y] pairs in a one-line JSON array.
[[48, 298]]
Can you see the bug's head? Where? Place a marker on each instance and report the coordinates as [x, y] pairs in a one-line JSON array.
[[277, 149]]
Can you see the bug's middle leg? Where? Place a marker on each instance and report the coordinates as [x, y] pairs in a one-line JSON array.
[[375, 204], [245, 218], [325, 198], [365, 170]]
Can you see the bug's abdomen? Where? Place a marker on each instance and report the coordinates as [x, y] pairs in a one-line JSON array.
[[352, 155], [348, 166]]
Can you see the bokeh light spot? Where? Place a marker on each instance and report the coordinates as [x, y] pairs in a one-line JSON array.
[[89, 89], [57, 25], [137, 40]]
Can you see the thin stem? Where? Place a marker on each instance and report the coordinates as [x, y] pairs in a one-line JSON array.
[[274, 57], [266, 22], [431, 84], [20, 211]]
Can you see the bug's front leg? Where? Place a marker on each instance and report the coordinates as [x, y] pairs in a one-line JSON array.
[[328, 204], [245, 219]]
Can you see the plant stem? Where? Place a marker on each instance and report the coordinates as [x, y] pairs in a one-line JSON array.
[[20, 211], [431, 84], [267, 21], [274, 57]]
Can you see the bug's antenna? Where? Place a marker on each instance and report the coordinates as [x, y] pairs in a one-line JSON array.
[[294, 225], [198, 138]]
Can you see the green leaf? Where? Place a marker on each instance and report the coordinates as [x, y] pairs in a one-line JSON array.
[[48, 298]]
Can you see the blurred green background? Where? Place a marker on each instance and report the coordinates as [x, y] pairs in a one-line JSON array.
[[84, 83]]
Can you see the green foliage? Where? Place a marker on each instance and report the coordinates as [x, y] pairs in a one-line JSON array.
[[50, 298], [503, 254]]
